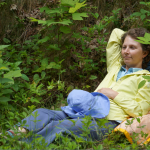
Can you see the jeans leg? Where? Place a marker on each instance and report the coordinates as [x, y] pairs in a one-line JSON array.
[[67, 126], [49, 122], [44, 116], [99, 133]]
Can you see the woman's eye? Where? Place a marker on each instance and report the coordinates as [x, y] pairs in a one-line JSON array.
[[123, 47], [132, 47]]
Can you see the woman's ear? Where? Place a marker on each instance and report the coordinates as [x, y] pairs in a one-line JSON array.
[[145, 53]]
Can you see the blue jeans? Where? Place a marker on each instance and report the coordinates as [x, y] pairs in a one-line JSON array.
[[49, 122]]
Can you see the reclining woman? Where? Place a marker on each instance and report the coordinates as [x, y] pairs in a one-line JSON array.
[[126, 63]]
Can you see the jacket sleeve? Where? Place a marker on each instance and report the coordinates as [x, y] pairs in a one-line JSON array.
[[113, 49], [133, 106]]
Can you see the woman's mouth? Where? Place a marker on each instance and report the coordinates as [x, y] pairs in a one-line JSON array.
[[126, 57]]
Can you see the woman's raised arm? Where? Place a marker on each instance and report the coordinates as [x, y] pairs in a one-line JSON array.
[[113, 49]]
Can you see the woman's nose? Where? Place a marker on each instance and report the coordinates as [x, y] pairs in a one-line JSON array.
[[126, 50]]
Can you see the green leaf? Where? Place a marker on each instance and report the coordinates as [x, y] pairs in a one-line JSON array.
[[76, 35], [136, 14], [147, 36], [36, 78], [145, 39], [96, 15], [50, 22], [33, 19], [5, 80], [11, 74], [92, 77], [50, 11], [4, 99], [141, 38], [142, 3], [143, 42], [129, 122], [146, 77], [65, 22], [143, 16], [11, 114], [78, 16], [77, 6], [25, 77], [15, 87], [141, 84], [54, 11], [4, 68], [7, 91], [40, 69], [6, 40], [140, 114], [147, 20], [3, 46], [1, 61], [65, 29], [69, 2], [45, 39], [64, 9], [43, 74], [50, 87], [55, 47], [138, 120], [100, 147], [18, 63], [43, 22], [103, 60], [143, 11], [46, 9], [44, 62], [53, 65], [34, 100], [61, 71]]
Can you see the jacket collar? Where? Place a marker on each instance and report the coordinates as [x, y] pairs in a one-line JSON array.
[[140, 72]]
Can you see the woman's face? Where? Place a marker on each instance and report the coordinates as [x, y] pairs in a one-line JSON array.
[[132, 53]]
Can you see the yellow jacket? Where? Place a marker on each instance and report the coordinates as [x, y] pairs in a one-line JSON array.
[[130, 101]]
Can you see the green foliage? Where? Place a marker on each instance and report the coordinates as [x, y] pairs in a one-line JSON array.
[[141, 84], [14, 90], [142, 14], [78, 16], [2, 3], [3, 46], [62, 13], [8, 71], [76, 6], [67, 11], [145, 39], [92, 77], [146, 4]]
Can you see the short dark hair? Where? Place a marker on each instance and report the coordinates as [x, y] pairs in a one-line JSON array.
[[138, 32]]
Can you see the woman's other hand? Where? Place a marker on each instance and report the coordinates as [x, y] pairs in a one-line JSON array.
[[108, 92]]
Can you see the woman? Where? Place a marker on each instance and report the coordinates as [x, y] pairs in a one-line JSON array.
[[120, 85]]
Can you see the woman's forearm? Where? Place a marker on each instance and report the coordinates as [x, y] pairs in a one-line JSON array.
[[108, 92]]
